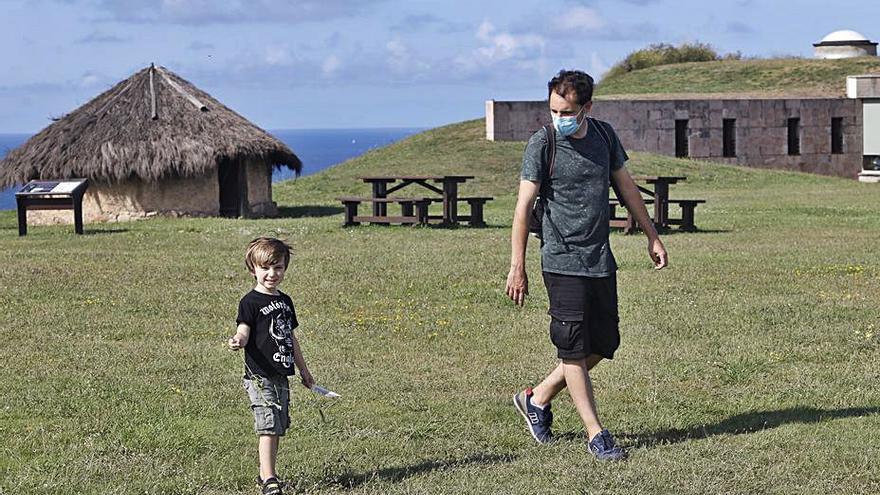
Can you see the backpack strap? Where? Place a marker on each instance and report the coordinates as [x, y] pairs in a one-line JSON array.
[[604, 133], [549, 153]]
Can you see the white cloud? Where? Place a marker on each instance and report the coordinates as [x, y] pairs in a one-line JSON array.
[[89, 80], [485, 30], [98, 38], [397, 49], [579, 19], [502, 46], [330, 66], [598, 66], [401, 60], [277, 55], [202, 12]]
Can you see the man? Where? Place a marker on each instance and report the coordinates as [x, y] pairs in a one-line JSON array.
[[578, 267]]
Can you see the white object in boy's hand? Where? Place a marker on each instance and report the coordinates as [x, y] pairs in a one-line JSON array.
[[323, 391]]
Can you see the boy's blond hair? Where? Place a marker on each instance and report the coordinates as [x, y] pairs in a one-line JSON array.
[[265, 251]]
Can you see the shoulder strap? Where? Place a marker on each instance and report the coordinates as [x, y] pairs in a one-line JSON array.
[[550, 153], [604, 133]]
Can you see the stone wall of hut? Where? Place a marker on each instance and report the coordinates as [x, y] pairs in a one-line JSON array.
[[259, 189], [132, 200], [191, 196]]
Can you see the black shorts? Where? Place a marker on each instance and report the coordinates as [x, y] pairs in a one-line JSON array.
[[584, 317]]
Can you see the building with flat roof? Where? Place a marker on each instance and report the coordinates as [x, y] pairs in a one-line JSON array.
[[844, 44], [823, 132]]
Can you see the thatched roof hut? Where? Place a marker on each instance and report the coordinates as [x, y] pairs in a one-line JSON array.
[[156, 144]]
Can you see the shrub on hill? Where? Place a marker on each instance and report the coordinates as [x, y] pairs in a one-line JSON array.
[[664, 54]]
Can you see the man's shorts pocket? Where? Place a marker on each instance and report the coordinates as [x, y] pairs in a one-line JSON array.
[[566, 335]]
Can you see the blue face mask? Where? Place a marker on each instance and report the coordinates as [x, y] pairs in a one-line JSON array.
[[566, 126]]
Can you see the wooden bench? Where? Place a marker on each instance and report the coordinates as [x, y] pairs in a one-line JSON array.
[[413, 211], [475, 203], [686, 223]]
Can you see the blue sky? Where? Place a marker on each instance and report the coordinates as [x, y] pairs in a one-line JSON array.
[[370, 63]]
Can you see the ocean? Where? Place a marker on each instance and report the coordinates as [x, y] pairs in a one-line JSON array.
[[317, 148]]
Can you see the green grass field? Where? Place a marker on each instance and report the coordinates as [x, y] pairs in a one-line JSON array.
[[770, 77], [750, 365]]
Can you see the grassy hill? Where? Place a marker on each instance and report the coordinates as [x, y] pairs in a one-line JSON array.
[[807, 77], [748, 366]]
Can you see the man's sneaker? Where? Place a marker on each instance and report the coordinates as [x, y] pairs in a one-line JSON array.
[[602, 446], [270, 486], [538, 420]]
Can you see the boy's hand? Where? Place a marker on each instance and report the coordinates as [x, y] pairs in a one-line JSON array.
[[306, 378], [237, 341]]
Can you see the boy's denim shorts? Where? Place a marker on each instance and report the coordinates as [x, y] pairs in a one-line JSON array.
[[270, 401]]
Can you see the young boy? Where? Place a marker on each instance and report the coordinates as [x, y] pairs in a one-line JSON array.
[[266, 320]]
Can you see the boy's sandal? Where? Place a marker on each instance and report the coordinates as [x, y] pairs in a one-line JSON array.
[[271, 486]]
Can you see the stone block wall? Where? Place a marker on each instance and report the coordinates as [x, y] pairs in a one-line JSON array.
[[761, 129], [195, 196], [192, 196], [259, 189]]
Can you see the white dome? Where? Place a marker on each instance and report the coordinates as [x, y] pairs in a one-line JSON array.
[[844, 35]]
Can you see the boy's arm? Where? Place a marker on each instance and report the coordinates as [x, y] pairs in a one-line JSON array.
[[300, 362], [636, 206], [241, 337]]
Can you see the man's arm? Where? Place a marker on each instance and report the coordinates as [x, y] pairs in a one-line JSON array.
[[517, 280], [636, 206]]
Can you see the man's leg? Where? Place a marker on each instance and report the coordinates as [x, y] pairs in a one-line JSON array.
[[577, 379], [545, 391]]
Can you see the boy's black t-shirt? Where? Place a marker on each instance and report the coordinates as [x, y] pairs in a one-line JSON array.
[[269, 351]]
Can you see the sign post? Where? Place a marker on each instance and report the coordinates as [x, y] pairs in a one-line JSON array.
[[64, 194]]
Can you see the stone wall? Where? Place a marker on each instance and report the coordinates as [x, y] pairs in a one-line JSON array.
[[830, 51], [192, 196], [761, 129], [135, 199], [259, 189]]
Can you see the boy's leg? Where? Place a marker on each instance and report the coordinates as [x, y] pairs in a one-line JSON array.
[[270, 400], [577, 378], [268, 448], [545, 391]]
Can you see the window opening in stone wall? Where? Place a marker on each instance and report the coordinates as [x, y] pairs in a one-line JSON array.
[[681, 138], [794, 136], [728, 137], [836, 135]]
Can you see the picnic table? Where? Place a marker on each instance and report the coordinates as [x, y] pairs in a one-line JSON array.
[[446, 186], [656, 190]]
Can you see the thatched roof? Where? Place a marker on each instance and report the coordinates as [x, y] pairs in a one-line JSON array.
[[150, 126]]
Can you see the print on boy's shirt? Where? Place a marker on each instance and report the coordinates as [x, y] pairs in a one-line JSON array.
[[273, 306], [281, 330]]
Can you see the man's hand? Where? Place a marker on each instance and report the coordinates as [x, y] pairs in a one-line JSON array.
[[657, 253], [306, 378], [517, 285]]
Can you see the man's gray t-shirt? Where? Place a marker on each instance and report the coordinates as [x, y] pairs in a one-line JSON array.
[[577, 200]]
